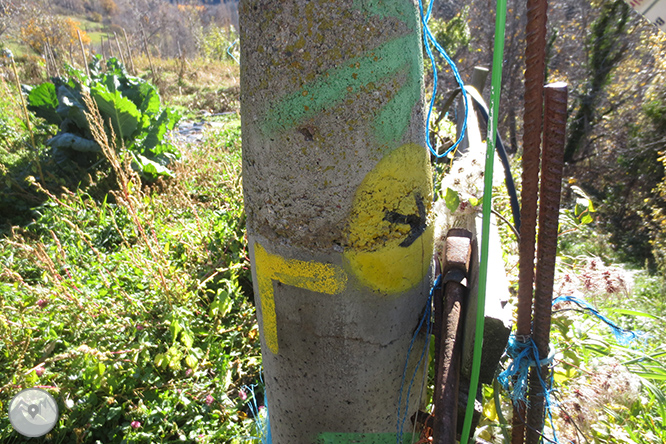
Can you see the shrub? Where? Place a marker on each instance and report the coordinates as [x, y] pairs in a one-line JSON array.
[[58, 32], [658, 222], [216, 42]]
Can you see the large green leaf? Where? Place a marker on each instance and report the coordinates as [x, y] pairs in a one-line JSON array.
[[144, 95], [123, 114], [95, 67], [112, 83], [452, 200], [151, 99], [69, 141], [75, 75], [154, 135], [43, 101], [71, 108], [149, 168], [114, 67]]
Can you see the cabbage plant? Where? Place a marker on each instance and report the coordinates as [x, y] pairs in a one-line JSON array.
[[128, 105]]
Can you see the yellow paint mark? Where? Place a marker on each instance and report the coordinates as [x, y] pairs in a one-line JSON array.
[[310, 275], [390, 239]]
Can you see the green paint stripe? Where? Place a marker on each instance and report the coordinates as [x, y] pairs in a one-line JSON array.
[[364, 438], [332, 87]]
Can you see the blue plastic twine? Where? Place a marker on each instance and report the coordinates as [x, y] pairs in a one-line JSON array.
[[262, 424], [427, 319], [429, 39], [230, 49], [622, 336], [524, 354]]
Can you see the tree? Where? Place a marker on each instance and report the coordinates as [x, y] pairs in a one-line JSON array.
[[611, 58], [607, 48], [641, 194], [8, 11], [169, 28], [59, 33], [337, 190]]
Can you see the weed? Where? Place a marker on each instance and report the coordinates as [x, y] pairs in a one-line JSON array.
[[131, 310]]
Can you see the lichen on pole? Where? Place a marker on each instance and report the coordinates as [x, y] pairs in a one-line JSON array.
[[338, 192]]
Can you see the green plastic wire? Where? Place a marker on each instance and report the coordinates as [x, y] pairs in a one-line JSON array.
[[496, 89]]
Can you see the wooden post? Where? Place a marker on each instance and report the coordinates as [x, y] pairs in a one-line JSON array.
[[102, 50], [83, 53], [109, 46], [150, 60], [129, 53], [120, 51]]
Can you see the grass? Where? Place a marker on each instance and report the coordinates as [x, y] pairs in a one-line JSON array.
[[135, 310], [196, 87]]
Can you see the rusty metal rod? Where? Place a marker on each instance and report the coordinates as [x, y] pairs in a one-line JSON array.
[[446, 387], [552, 164], [535, 57], [455, 268]]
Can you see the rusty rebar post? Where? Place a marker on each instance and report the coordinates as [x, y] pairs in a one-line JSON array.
[[455, 269], [535, 57], [552, 164]]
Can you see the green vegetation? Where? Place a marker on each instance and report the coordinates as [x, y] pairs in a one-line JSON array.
[[129, 108], [136, 309], [129, 299]]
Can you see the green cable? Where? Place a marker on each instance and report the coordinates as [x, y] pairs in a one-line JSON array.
[[496, 88]]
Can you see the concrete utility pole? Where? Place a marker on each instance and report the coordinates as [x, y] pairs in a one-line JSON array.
[[338, 194]]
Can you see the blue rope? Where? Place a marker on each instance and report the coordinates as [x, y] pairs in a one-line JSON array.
[[429, 39], [547, 388], [622, 336], [262, 424], [521, 360], [524, 354], [427, 319], [230, 48]]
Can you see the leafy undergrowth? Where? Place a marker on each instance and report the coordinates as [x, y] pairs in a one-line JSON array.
[[135, 310], [608, 384], [605, 389]]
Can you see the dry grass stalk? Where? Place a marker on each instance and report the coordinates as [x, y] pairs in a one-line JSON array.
[[127, 180]]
